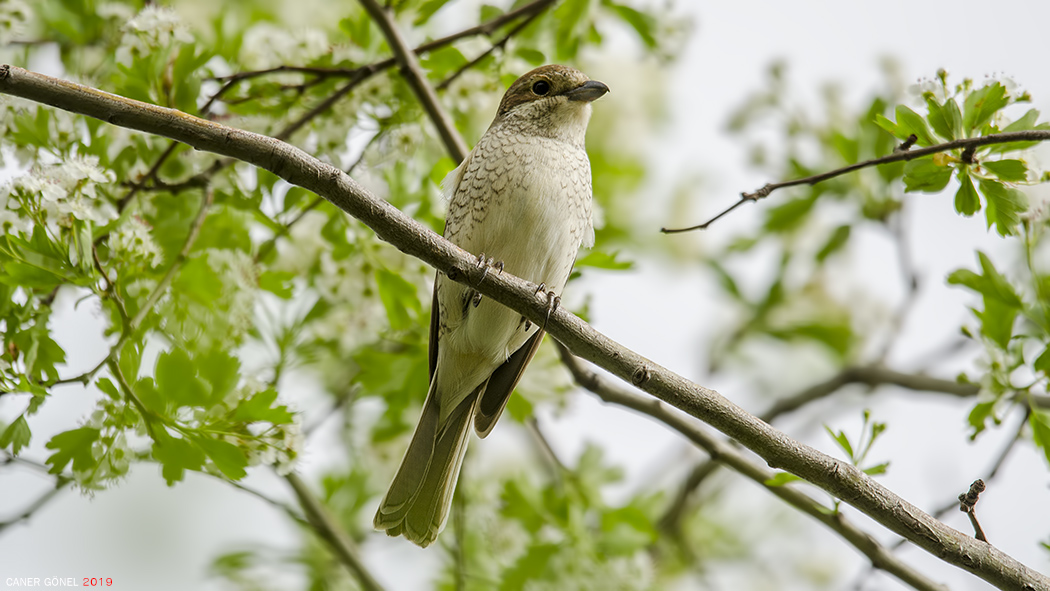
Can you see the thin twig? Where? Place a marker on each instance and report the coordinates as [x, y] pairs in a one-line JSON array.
[[180, 259], [671, 520], [1031, 135], [487, 27], [151, 174], [947, 507], [40, 502], [272, 242], [329, 530], [909, 277], [495, 46], [838, 478], [285, 508], [880, 376], [415, 77], [147, 415], [726, 454], [558, 469], [968, 505]]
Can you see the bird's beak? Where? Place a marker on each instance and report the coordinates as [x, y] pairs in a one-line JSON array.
[[588, 91]]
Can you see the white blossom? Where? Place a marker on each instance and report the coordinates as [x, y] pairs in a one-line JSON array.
[[132, 241], [267, 45], [13, 17], [60, 193], [152, 28]]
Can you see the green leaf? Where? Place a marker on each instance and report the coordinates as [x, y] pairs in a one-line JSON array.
[[571, 18], [519, 408], [16, 435], [1005, 206], [279, 283], [488, 12], [260, 408], [1042, 363], [177, 379], [399, 298], [939, 118], [992, 284], [1008, 170], [220, 370], [842, 441], [789, 215], [966, 199], [199, 282], [1040, 423], [533, 56], [982, 104], [979, 415], [72, 446], [835, 242], [1025, 122], [877, 469], [726, 280], [781, 478], [531, 565], [108, 388], [848, 149], [1002, 304], [627, 530], [890, 126], [226, 456], [642, 23], [601, 259], [427, 10], [926, 175], [176, 456], [909, 122]]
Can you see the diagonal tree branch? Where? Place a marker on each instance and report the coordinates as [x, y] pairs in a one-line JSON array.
[[1032, 135], [727, 455], [410, 69], [390, 224], [332, 533]]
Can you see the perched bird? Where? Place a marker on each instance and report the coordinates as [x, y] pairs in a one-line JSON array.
[[520, 202]]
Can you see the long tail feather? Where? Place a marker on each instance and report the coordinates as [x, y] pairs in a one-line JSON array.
[[418, 501]]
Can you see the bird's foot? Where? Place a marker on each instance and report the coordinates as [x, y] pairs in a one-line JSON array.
[[553, 301], [485, 263]]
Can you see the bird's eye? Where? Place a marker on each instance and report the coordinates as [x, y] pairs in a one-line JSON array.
[[541, 87]]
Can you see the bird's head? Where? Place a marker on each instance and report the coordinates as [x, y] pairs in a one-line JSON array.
[[551, 101]]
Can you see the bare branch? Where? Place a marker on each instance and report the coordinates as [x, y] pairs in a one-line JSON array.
[[495, 46], [780, 451], [968, 504], [40, 502], [727, 455], [410, 69], [332, 533], [1032, 135], [880, 376], [488, 27]]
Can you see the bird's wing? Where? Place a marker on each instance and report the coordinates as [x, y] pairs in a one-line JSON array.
[[501, 385], [432, 351]]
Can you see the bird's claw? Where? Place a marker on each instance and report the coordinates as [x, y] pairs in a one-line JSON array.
[[553, 301], [485, 263]]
